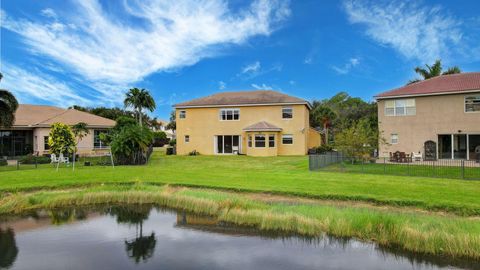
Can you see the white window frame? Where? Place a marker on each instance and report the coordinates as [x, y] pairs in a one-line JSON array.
[[274, 141], [407, 104], [392, 136], [477, 97], [224, 111], [250, 141], [186, 138], [284, 136], [291, 111], [182, 112], [264, 140]]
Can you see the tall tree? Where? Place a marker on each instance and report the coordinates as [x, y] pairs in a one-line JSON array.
[[434, 71], [139, 99], [324, 115], [8, 107]]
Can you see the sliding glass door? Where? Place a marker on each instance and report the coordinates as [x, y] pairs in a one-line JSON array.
[[227, 144], [445, 146]]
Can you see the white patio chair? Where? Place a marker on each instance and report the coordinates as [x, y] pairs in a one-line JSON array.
[[63, 159], [417, 156], [53, 158]]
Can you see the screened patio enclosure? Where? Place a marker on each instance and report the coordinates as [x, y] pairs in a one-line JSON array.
[[16, 143], [458, 146]]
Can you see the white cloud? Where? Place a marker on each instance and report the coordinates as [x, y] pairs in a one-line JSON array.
[[222, 85], [31, 85], [422, 33], [48, 12], [352, 62], [252, 68], [262, 86], [292, 82], [105, 50]]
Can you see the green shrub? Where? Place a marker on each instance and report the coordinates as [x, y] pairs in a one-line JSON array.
[[130, 144], [3, 162], [30, 159], [194, 153], [160, 139], [322, 149], [173, 142]]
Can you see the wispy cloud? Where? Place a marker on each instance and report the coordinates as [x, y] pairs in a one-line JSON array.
[[255, 69], [252, 68], [222, 85], [30, 86], [417, 32], [106, 50], [352, 62], [262, 86]]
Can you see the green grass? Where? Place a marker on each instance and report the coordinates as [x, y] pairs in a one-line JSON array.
[[405, 169], [453, 236], [282, 175]]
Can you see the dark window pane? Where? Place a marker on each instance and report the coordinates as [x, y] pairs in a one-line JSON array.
[[235, 140], [219, 144], [259, 141], [227, 144], [271, 141]]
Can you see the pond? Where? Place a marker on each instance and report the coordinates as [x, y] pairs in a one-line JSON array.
[[146, 237]]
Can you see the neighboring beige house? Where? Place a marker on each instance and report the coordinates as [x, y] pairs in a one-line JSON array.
[[256, 123], [29, 133], [163, 127], [439, 117]]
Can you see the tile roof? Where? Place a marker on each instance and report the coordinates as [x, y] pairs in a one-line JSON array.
[[445, 84], [262, 126], [243, 98], [45, 116]]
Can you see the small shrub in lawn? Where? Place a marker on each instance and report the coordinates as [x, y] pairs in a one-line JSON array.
[[194, 153], [30, 159]]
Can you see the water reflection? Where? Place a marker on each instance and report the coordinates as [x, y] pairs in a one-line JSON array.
[[8, 248], [141, 248], [126, 237]]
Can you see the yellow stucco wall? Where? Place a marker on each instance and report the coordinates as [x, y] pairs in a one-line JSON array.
[[202, 124], [434, 115], [314, 138]]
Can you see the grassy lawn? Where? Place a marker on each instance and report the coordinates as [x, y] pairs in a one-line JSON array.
[[286, 175]]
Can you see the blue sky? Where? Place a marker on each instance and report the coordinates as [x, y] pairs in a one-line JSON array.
[[89, 52]]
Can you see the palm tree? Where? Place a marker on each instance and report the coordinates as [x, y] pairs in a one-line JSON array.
[[434, 71], [8, 106], [324, 115], [139, 99]]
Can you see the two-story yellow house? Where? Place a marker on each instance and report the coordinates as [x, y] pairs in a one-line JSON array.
[[256, 123]]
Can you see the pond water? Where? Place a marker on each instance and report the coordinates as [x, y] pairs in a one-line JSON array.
[[144, 237]]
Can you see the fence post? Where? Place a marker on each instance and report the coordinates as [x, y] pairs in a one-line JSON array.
[[463, 169], [384, 165], [310, 162], [35, 157], [18, 165]]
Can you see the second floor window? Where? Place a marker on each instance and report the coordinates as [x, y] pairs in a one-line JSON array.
[[182, 114], [287, 113], [472, 103], [400, 107], [229, 114], [394, 138]]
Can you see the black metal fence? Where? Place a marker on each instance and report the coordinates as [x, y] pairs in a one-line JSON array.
[[443, 168]]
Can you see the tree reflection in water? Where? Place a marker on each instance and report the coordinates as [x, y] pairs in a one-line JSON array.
[[141, 248], [63, 216], [8, 248]]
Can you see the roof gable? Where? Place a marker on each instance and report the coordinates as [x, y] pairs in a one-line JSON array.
[[441, 85], [263, 97]]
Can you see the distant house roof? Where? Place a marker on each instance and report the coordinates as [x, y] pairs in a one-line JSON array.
[[441, 85], [243, 98], [262, 126], [44, 116]]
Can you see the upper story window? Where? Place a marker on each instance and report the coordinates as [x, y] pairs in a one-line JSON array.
[[287, 113], [182, 114], [472, 103], [229, 114], [400, 107]]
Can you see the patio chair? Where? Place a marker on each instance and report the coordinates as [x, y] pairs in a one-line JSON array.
[[63, 159], [417, 156], [402, 157], [53, 158], [392, 157]]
